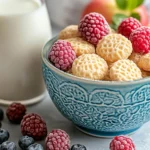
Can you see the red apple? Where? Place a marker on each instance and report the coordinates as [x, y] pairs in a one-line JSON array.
[[142, 11], [108, 8], [104, 7]]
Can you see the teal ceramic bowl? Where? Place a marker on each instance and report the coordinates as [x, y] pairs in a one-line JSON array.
[[99, 108]]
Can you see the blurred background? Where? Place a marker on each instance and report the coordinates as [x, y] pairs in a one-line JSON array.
[[66, 12]]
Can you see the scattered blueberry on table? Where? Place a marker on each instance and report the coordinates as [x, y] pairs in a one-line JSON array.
[[78, 147], [25, 141], [4, 135], [8, 146], [35, 146]]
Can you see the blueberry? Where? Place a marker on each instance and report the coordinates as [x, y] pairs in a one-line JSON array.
[[78, 147], [1, 114], [25, 141], [4, 135], [35, 146], [7, 145]]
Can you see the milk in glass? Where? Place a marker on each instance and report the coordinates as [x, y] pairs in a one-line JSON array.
[[24, 28]]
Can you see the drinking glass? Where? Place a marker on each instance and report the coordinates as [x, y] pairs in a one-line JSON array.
[[24, 29]]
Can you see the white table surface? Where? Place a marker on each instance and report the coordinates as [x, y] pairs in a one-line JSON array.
[[55, 120]]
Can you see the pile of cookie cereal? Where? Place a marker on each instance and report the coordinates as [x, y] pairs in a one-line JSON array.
[[112, 59]]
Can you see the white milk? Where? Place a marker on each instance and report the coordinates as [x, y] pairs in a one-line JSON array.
[[24, 28], [11, 7]]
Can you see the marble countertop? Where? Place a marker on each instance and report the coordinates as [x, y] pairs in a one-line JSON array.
[[55, 120]]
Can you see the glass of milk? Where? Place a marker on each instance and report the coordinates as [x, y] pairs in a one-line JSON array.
[[24, 29]]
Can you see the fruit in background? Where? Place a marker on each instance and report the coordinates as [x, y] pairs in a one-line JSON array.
[[142, 11], [109, 8]]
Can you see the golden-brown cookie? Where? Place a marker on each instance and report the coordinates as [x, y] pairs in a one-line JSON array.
[[125, 70], [81, 46], [114, 47], [135, 57], [144, 62], [90, 66], [145, 73], [69, 32]]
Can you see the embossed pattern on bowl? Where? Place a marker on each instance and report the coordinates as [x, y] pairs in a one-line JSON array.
[[100, 108]]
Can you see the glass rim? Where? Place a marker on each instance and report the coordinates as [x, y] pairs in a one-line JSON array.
[[41, 3]]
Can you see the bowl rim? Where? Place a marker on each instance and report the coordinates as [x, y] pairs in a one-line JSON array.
[[44, 55]]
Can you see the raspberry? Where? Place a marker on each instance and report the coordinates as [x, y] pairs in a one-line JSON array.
[[90, 66], [128, 25], [57, 140], [62, 55], [15, 112], [93, 27], [34, 126], [140, 39], [122, 143]]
